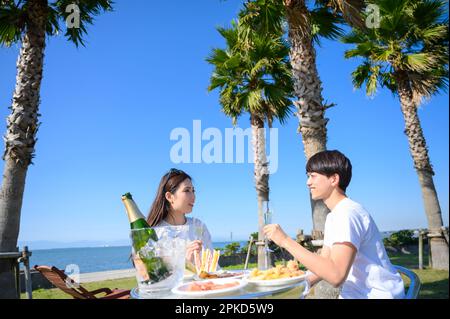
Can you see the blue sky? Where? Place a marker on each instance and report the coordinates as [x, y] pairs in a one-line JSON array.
[[108, 110]]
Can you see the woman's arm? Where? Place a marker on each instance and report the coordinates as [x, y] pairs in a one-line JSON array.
[[333, 268]]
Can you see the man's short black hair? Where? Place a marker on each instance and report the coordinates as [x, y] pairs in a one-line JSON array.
[[331, 162]]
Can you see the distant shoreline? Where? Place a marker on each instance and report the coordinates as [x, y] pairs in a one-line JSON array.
[[81, 245], [215, 244]]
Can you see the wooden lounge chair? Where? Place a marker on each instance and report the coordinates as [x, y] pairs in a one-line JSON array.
[[59, 279]]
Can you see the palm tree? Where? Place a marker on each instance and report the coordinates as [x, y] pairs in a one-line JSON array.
[[305, 28], [408, 54], [29, 22], [254, 78]]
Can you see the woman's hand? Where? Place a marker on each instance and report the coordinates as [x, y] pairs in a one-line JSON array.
[[194, 247], [275, 234]]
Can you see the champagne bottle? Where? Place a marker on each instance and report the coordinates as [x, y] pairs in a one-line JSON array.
[[137, 220], [155, 266]]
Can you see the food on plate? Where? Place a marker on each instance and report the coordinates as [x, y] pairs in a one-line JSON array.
[[279, 272], [207, 275], [209, 285], [225, 274], [207, 261]]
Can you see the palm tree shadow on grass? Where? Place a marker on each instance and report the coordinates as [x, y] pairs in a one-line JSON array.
[[434, 290]]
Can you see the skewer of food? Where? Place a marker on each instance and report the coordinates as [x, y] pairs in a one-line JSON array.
[[207, 261]]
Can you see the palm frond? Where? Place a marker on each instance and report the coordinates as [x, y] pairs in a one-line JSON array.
[[419, 61], [412, 38], [263, 17], [427, 12], [325, 24], [372, 80], [434, 33], [361, 74], [88, 9], [351, 11], [252, 76], [12, 23], [355, 36], [52, 27], [230, 34]]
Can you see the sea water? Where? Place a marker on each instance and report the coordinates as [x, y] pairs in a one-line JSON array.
[[92, 259]]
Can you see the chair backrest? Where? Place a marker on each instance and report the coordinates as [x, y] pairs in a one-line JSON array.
[[414, 284], [60, 280]]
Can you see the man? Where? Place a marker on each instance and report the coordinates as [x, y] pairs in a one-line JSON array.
[[353, 255]]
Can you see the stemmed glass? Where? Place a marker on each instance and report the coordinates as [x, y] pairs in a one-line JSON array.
[[267, 214], [198, 230]]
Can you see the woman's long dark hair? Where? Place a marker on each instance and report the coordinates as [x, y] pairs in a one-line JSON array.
[[169, 183]]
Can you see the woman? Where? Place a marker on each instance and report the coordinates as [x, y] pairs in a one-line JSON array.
[[174, 200]]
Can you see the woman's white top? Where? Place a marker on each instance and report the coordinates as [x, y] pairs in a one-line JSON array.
[[193, 229]]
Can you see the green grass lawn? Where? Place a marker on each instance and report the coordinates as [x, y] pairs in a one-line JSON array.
[[434, 282]]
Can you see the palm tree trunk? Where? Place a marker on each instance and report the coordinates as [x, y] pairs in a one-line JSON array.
[[308, 89], [310, 110], [261, 180], [20, 138], [422, 164]]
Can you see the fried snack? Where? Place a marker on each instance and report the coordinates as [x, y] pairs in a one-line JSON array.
[[277, 272], [207, 275], [292, 265]]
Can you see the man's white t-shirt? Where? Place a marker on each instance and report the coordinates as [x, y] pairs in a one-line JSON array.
[[372, 274], [193, 229]]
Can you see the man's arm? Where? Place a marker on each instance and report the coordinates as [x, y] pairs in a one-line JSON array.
[[333, 269], [312, 277]]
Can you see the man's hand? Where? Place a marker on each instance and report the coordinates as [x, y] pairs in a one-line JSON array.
[[275, 234]]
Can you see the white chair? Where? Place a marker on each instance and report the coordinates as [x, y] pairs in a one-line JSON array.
[[414, 284]]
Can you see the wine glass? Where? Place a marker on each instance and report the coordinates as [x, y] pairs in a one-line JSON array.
[[198, 229], [267, 214]]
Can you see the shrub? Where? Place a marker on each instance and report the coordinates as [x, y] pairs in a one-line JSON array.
[[400, 238], [253, 251], [231, 249]]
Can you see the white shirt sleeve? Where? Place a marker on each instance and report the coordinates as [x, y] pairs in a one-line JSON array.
[[347, 227], [327, 232]]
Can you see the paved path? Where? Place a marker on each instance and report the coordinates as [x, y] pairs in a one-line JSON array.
[[107, 275], [114, 274]]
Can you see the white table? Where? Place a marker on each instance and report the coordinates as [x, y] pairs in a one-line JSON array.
[[250, 291]]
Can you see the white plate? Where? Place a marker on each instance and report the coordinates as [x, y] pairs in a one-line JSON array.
[[239, 274], [182, 289], [187, 276], [276, 282]]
